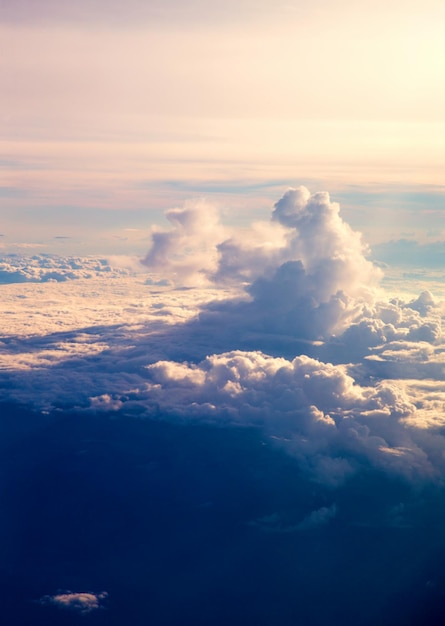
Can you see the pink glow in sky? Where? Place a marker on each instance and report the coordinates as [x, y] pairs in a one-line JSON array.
[[103, 103]]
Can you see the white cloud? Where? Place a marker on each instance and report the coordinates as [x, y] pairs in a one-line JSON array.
[[81, 602], [51, 268], [187, 253], [308, 273], [316, 410]]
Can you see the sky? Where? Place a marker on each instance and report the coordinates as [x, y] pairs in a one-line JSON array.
[[222, 388], [111, 115]]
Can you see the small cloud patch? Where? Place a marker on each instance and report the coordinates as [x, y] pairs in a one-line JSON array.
[[81, 602]]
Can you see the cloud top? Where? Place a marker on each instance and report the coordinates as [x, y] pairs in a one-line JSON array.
[[187, 253], [306, 272]]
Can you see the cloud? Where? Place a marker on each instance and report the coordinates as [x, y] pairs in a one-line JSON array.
[[307, 277], [319, 517], [42, 268], [314, 410], [81, 602], [306, 271], [331, 253], [304, 275], [303, 226], [282, 327], [316, 519], [187, 253]]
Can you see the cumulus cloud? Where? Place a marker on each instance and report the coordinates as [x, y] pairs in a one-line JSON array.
[[304, 275], [303, 227], [187, 254], [306, 271], [80, 602], [285, 329], [332, 254], [314, 409], [386, 322]]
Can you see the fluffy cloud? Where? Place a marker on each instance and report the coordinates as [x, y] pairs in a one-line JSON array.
[[305, 276], [187, 254], [83, 602], [42, 268], [303, 227], [418, 322], [330, 251], [314, 409], [287, 332], [306, 270]]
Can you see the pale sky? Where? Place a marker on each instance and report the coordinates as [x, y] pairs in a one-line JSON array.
[[136, 107]]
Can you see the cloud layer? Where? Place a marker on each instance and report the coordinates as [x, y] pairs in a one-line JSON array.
[[42, 268], [282, 327]]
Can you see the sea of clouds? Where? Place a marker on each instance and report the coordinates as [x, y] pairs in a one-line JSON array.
[[43, 268], [283, 326]]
